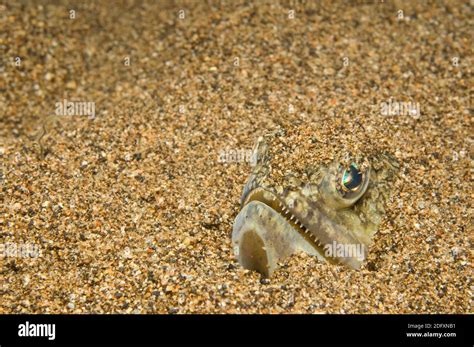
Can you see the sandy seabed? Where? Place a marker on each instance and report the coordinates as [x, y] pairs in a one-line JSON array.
[[126, 206]]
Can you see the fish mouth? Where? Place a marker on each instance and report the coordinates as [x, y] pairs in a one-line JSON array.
[[266, 231], [271, 200]]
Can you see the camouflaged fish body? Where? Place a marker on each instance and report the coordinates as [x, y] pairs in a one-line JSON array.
[[323, 211]]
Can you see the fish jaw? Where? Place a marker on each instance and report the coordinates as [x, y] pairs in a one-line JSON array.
[[262, 237], [271, 227]]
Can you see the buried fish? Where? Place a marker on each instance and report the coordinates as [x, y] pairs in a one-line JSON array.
[[324, 195]]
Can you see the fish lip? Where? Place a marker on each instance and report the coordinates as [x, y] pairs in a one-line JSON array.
[[314, 237], [262, 238], [273, 201]]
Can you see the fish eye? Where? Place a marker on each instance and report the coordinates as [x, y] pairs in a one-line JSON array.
[[352, 179], [345, 184]]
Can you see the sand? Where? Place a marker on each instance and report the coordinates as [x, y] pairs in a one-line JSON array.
[[128, 208]]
